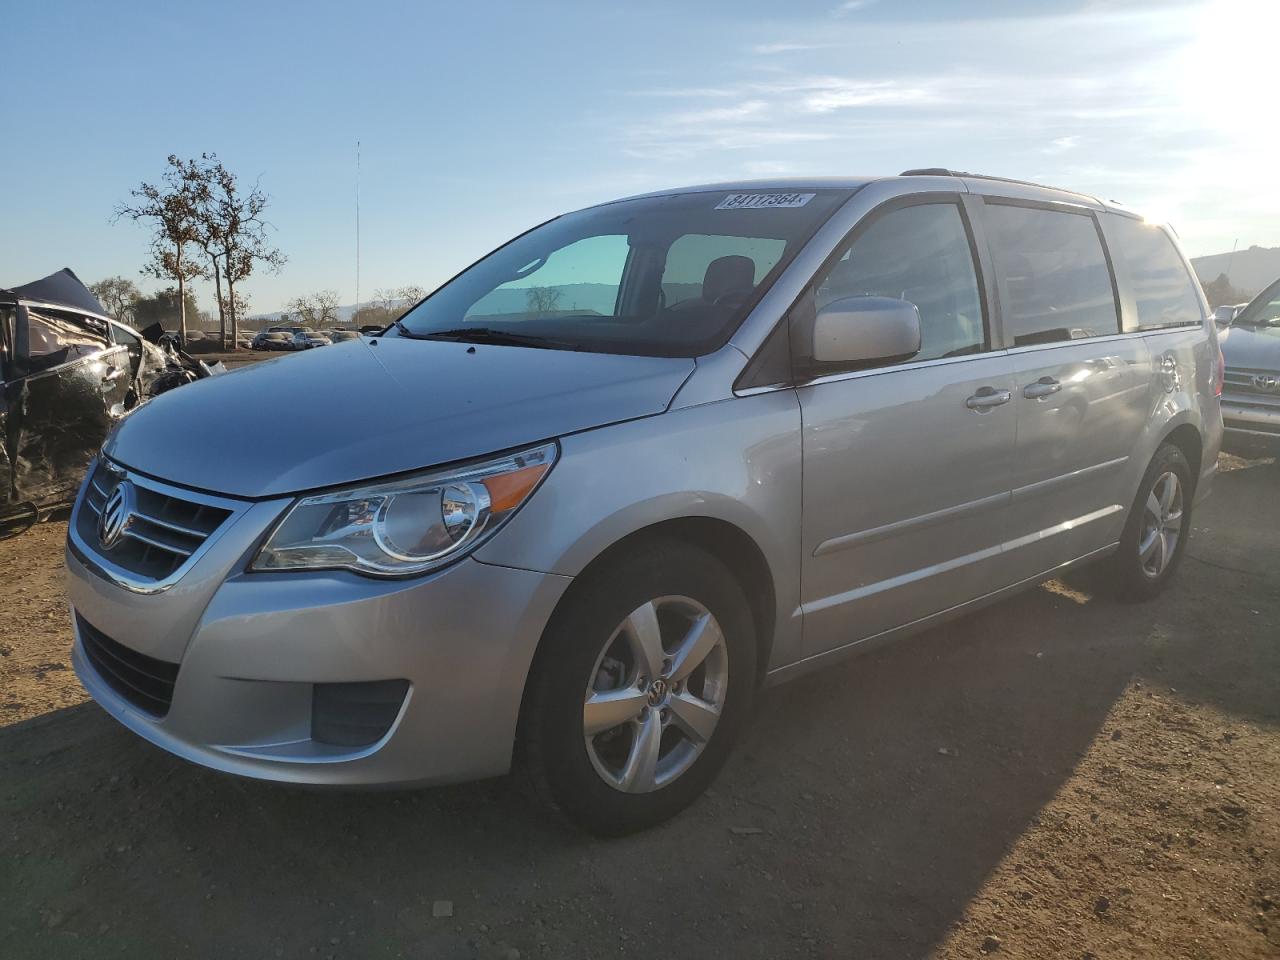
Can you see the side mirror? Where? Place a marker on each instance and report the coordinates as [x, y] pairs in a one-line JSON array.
[[866, 329]]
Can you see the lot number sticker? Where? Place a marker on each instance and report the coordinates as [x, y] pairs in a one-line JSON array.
[[763, 201]]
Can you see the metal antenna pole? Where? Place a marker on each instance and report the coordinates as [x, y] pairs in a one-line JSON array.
[[357, 228]]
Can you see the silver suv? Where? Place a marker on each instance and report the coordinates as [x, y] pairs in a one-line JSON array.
[[579, 504]]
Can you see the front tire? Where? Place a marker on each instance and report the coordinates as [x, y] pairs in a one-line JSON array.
[[641, 684], [1156, 532]]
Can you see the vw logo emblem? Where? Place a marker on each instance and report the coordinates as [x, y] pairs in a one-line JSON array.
[[117, 514], [1265, 381]]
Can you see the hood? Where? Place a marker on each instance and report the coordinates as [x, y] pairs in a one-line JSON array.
[[359, 410], [1253, 348]]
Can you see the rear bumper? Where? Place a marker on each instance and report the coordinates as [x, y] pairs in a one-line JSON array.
[[242, 701]]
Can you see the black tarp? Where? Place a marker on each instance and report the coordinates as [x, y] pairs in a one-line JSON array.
[[64, 288]]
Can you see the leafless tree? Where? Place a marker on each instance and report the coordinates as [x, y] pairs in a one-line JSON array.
[[171, 207], [316, 310], [542, 299], [234, 236], [117, 295]]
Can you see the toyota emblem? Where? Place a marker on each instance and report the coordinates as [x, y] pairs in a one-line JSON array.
[[117, 514], [1265, 381]]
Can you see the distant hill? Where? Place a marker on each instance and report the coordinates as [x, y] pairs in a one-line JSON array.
[[1249, 270]]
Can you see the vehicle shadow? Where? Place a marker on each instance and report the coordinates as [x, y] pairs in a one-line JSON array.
[[864, 811]]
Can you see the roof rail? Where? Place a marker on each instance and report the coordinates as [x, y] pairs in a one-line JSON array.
[[944, 172]]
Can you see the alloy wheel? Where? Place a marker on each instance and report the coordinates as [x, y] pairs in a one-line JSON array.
[[1161, 525], [656, 694]]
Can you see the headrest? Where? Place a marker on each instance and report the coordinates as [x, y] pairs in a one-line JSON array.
[[733, 274]]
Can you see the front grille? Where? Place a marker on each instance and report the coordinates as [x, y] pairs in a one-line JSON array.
[[1239, 380], [144, 681], [164, 529]]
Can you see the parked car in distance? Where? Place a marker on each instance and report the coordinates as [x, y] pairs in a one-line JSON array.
[[767, 425], [1251, 393], [307, 339], [272, 340], [341, 336]]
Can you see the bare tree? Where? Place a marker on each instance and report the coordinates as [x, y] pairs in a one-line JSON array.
[[117, 295], [410, 295], [172, 207], [396, 300], [542, 299], [234, 234], [316, 310]]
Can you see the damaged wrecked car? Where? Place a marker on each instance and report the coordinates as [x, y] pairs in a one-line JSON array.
[[70, 372]]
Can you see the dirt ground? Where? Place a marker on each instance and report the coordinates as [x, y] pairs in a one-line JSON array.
[[1057, 776]]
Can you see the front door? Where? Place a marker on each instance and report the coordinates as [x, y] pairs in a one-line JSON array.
[[906, 466], [69, 388]]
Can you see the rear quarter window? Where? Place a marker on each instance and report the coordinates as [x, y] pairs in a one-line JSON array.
[[1055, 278], [1164, 292]]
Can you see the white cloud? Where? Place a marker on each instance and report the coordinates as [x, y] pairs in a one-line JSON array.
[[852, 93], [770, 49], [1062, 144], [745, 110], [851, 6]]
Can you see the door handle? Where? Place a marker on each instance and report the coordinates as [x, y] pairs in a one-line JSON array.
[[1042, 388], [113, 373], [988, 397]]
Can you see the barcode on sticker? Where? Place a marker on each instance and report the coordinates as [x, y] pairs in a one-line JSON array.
[[763, 201]]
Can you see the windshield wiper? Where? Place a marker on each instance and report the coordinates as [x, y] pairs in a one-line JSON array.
[[504, 338]]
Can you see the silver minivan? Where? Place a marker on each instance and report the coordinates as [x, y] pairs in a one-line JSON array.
[[577, 506]]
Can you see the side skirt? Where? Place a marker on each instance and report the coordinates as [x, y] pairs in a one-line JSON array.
[[818, 661]]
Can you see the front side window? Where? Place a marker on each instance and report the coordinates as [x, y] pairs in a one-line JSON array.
[[1162, 287], [1056, 280], [920, 254], [657, 276], [54, 338]]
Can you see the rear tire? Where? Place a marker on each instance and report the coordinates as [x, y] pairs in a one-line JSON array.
[[1156, 532], [641, 684]]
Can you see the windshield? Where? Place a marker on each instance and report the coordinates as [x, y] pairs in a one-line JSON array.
[[1264, 309], [657, 276]]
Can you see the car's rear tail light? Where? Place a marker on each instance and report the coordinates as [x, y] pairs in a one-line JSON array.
[[1222, 374]]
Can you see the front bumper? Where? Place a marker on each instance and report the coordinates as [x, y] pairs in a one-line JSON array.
[[251, 647], [1250, 428]]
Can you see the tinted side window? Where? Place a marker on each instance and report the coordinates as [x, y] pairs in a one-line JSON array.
[[1162, 287], [920, 254], [1057, 283]]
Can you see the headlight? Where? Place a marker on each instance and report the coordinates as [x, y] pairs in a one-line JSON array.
[[408, 526]]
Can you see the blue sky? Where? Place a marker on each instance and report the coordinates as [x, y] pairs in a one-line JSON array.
[[479, 120]]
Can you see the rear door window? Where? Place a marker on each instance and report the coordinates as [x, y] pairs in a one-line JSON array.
[[1163, 290], [1055, 278]]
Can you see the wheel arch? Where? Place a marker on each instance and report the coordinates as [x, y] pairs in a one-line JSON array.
[[741, 555], [1186, 437]]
